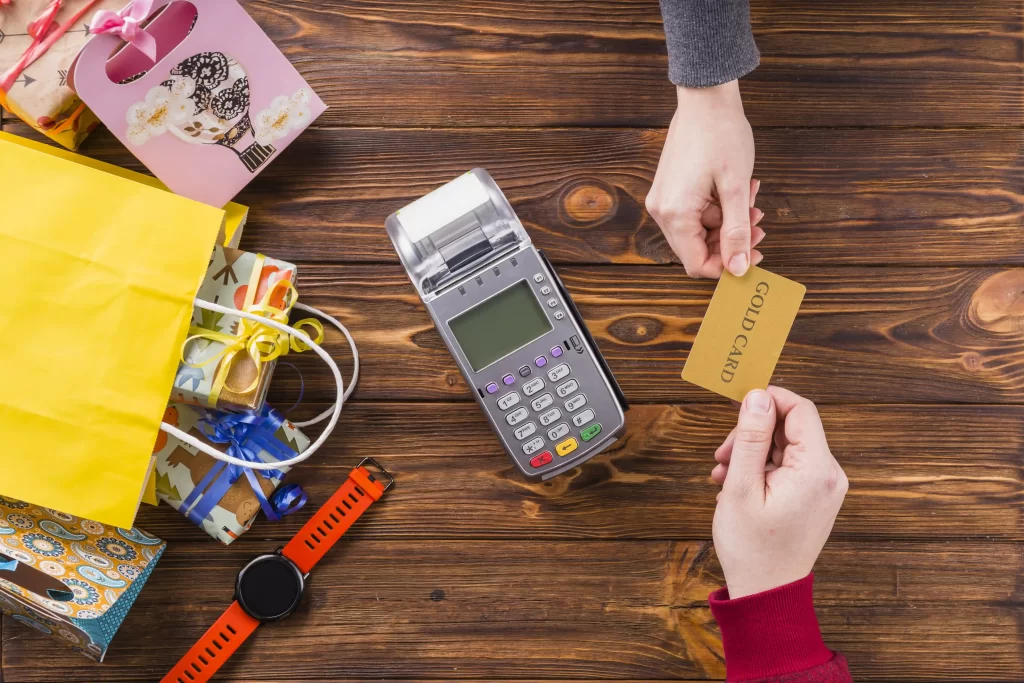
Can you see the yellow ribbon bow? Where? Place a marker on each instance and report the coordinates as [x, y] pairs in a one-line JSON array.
[[262, 343]]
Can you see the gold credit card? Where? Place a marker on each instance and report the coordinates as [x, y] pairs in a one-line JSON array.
[[743, 333]]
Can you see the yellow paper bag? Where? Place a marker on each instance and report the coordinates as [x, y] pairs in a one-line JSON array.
[[234, 221], [100, 274]]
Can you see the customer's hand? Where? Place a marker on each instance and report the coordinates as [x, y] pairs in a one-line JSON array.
[[703, 195], [781, 492]]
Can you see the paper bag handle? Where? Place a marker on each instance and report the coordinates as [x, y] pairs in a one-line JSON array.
[[334, 412]]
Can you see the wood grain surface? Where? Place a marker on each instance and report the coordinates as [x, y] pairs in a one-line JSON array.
[[453, 609], [890, 145], [873, 335], [937, 472], [602, 62], [857, 197]]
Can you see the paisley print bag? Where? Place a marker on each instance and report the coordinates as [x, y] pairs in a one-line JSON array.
[[68, 577]]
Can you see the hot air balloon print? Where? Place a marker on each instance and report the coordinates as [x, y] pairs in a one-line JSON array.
[[205, 101]]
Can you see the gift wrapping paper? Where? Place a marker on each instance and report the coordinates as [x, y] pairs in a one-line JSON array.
[[227, 283], [40, 96], [181, 468], [71, 578]]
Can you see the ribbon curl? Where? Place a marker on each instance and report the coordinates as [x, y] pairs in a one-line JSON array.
[[259, 342], [127, 24], [248, 437], [44, 31]]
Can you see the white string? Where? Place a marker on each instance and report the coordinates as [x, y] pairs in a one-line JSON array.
[[355, 363], [334, 412]]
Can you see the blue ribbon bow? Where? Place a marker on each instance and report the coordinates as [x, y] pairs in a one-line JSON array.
[[250, 437]]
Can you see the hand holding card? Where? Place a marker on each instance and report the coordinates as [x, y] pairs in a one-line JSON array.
[[743, 333]]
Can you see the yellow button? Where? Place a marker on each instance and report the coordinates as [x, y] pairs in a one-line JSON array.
[[567, 446]]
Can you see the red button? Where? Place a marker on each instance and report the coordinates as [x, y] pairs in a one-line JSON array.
[[542, 459]]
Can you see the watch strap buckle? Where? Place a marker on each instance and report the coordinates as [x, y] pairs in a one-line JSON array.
[[380, 473]]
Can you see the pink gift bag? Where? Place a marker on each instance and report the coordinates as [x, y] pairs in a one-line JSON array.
[[210, 106]]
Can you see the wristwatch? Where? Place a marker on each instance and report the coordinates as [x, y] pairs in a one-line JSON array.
[[270, 587]]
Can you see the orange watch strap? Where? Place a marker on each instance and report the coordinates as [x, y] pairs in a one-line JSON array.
[[207, 656], [331, 521]]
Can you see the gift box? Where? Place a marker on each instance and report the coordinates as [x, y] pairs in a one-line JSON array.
[[33, 71], [221, 365], [224, 499], [199, 94], [71, 578]]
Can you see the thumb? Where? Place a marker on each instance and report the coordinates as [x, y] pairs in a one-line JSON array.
[[751, 445], [735, 235]]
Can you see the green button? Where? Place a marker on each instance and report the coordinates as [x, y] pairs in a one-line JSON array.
[[591, 431]]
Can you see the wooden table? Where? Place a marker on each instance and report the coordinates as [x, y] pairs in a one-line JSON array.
[[891, 150]]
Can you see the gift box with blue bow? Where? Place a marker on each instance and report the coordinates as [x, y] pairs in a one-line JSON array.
[[220, 498]]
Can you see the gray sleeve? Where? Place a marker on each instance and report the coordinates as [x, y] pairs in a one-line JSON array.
[[709, 41]]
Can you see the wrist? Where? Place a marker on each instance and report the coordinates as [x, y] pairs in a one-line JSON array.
[[771, 633], [741, 587], [725, 94]]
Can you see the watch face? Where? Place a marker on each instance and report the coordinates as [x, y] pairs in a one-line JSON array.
[[269, 587]]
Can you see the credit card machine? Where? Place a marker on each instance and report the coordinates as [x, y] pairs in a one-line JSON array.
[[511, 326]]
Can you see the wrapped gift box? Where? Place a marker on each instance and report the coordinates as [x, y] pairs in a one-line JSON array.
[[71, 578], [209, 375], [39, 94], [220, 498]]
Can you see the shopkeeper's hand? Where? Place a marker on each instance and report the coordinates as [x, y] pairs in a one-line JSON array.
[[781, 492], [703, 194]]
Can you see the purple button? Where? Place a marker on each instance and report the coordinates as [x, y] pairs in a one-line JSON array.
[[492, 388], [556, 352], [541, 361], [508, 379]]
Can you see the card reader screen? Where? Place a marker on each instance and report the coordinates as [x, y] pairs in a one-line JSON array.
[[494, 328]]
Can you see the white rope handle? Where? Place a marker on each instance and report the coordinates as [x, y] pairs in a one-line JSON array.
[[334, 412]]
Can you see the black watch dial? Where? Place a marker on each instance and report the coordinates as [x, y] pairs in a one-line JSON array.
[[269, 588]]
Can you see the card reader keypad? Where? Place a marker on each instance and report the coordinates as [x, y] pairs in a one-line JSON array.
[[542, 408], [517, 416], [533, 386]]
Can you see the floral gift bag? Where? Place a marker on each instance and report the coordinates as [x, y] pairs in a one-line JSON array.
[[200, 94]]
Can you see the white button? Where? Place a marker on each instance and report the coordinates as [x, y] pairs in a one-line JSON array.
[[559, 315], [552, 302], [550, 416], [533, 386], [531, 447], [526, 430], [545, 290], [539, 277], [517, 416], [575, 403], [508, 400], [556, 433], [542, 402], [583, 418], [558, 372], [567, 388]]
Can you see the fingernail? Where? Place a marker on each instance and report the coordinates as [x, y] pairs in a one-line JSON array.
[[757, 186], [758, 401], [758, 215], [738, 264]]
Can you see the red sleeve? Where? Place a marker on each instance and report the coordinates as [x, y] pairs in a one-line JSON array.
[[773, 637]]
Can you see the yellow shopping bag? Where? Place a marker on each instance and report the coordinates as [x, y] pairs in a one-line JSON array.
[[101, 272], [236, 214]]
